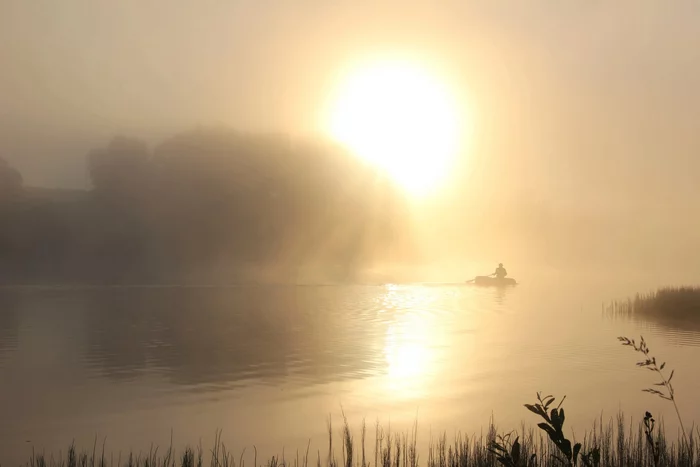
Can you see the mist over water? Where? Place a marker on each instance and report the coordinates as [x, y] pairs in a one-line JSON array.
[[581, 154], [183, 246]]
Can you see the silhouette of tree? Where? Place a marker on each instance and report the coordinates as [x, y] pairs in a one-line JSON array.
[[10, 181], [204, 205], [121, 169]]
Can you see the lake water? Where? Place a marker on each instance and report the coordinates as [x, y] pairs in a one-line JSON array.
[[269, 365]]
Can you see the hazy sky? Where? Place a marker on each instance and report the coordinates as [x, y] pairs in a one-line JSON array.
[[572, 101]]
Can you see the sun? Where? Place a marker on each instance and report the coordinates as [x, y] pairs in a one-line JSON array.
[[398, 116]]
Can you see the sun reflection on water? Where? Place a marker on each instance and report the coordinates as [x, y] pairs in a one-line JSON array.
[[411, 343]]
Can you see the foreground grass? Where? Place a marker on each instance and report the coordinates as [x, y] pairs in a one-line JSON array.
[[618, 441], [672, 302]]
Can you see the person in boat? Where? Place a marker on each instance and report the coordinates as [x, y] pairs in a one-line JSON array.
[[501, 272]]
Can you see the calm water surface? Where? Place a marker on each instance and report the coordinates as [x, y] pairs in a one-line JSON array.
[[269, 365]]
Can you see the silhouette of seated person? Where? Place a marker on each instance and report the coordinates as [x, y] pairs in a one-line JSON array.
[[501, 272]]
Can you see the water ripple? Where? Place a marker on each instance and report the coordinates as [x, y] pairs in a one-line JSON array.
[[449, 346]]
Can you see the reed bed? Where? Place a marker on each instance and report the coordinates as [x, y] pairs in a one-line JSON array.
[[671, 302]]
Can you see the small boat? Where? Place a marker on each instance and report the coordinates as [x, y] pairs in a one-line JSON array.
[[493, 281]]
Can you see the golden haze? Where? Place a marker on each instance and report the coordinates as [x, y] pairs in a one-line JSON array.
[[398, 115]]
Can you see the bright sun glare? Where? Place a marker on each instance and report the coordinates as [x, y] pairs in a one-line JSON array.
[[400, 118]]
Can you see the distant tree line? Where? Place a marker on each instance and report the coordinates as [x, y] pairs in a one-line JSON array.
[[207, 205]]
